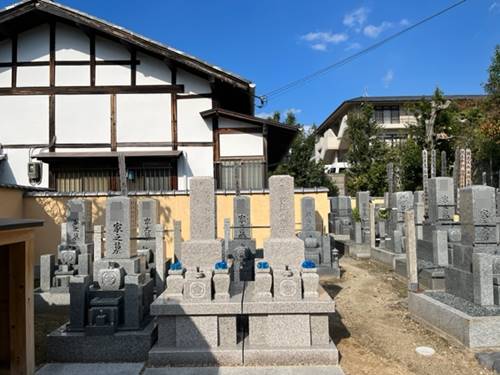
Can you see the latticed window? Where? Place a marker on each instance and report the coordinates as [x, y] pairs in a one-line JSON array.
[[70, 179], [248, 175]]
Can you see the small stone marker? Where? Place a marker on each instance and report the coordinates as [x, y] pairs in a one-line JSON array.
[[411, 251]]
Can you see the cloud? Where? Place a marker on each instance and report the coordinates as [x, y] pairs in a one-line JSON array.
[[353, 46], [319, 47], [373, 31], [283, 113], [320, 40], [494, 7], [356, 18], [388, 78], [404, 22]]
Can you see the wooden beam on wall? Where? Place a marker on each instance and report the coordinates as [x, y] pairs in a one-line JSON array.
[[173, 123], [14, 61], [133, 67], [52, 120], [92, 59], [52, 58], [83, 90], [113, 122]]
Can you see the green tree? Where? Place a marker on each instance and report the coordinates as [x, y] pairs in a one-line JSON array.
[[367, 155], [300, 163]]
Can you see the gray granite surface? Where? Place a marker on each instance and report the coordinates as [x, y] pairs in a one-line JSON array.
[[463, 305]]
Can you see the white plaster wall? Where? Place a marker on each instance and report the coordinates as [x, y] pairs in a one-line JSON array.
[[34, 44], [196, 161], [83, 118], [89, 149], [193, 84], [106, 49], [228, 123], [71, 44], [6, 50], [5, 77], [112, 75], [24, 119], [241, 144], [15, 169], [152, 71], [33, 76], [143, 118], [191, 127], [72, 75]]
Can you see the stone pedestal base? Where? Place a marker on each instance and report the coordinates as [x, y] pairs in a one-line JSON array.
[[385, 256], [291, 356], [172, 356], [123, 346]]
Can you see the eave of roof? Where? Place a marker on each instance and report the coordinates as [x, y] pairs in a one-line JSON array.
[[106, 154], [387, 99], [247, 118], [147, 44]]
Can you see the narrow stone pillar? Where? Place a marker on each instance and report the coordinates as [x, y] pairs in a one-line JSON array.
[[482, 275], [177, 239], [97, 242], [411, 251], [227, 235], [159, 259], [372, 225]]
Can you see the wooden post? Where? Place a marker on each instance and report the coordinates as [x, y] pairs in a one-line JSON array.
[[411, 251], [372, 225]]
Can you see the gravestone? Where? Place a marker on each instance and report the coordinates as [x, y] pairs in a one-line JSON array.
[[242, 248], [110, 315], [318, 246], [197, 312], [340, 216], [475, 266], [75, 252], [362, 203]]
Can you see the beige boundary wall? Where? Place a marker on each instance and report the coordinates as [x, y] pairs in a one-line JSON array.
[[11, 203], [50, 207]]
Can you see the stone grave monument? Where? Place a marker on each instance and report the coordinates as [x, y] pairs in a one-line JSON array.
[[340, 217], [241, 248], [109, 317], [438, 231], [197, 313], [287, 309], [362, 203], [468, 309], [318, 246], [74, 253]]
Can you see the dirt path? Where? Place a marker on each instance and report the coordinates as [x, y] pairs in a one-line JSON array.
[[375, 335]]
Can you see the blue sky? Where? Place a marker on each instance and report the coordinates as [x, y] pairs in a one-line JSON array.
[[273, 42]]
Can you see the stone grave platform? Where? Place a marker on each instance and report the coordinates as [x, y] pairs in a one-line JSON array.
[[122, 346], [288, 333], [353, 249], [386, 257], [455, 318], [198, 333], [430, 276]]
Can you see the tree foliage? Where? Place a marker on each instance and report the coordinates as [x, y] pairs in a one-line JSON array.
[[300, 164], [367, 155]]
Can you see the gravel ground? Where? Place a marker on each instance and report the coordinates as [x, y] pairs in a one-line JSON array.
[[463, 305]]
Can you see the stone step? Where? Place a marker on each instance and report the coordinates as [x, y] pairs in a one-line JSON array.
[[285, 370]]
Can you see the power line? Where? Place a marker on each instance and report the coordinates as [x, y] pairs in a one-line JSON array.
[[281, 90]]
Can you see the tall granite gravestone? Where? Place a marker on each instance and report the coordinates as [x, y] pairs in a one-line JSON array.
[[401, 201], [109, 317], [148, 220], [362, 203], [198, 311], [318, 246], [241, 248], [74, 254], [474, 270], [286, 307], [340, 216]]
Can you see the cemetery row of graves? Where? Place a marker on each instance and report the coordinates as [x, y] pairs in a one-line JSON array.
[[225, 302]]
